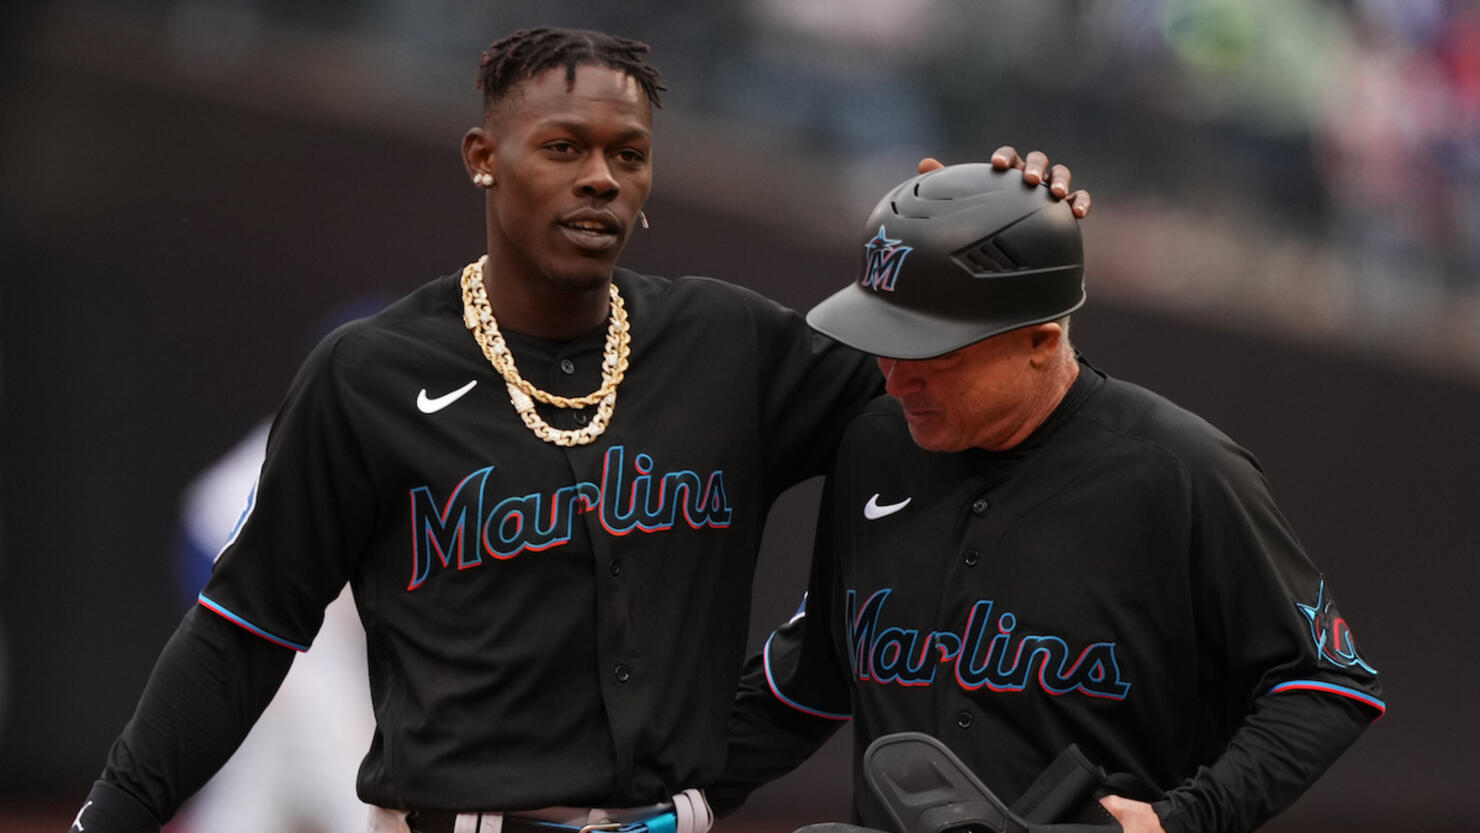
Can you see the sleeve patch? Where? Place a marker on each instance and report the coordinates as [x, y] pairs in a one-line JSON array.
[[1328, 630]]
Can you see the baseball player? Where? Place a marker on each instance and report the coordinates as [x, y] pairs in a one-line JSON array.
[[1018, 552], [544, 479]]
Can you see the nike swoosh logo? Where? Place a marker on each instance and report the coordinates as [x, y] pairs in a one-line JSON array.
[[431, 405], [873, 511]]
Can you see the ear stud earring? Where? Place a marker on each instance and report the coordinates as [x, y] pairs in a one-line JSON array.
[[483, 179]]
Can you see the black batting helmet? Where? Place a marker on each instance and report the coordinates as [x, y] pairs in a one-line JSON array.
[[954, 256]]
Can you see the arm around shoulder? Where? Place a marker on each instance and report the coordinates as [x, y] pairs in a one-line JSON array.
[[767, 739], [793, 695]]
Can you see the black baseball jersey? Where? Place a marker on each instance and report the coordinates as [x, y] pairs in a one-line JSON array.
[[1122, 580], [545, 625]]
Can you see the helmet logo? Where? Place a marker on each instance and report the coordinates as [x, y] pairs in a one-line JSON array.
[[882, 259]]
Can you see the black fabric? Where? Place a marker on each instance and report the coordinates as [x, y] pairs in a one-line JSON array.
[[1284, 746], [1060, 791], [436, 821], [212, 681], [767, 739], [1122, 580], [110, 809], [545, 626]]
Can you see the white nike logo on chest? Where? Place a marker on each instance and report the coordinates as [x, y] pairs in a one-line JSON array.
[[873, 511], [431, 405]]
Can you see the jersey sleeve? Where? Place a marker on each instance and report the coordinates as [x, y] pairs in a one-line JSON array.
[[1282, 748], [1268, 614], [793, 695], [309, 517], [211, 683], [811, 388]]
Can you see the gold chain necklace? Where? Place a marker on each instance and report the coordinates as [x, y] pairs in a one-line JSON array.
[[478, 316]]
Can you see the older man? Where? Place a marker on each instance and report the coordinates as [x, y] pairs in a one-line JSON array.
[[1018, 552]]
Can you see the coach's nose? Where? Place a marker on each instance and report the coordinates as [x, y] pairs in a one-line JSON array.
[[900, 377]]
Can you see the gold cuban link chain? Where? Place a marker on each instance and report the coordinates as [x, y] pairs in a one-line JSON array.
[[478, 316]]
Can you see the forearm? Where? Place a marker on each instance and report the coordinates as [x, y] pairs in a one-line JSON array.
[[1284, 746], [210, 684], [767, 739]]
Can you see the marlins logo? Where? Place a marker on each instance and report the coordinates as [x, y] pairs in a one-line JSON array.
[[1333, 639], [884, 257]]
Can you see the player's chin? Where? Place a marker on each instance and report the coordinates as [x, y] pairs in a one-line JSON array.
[[584, 274], [928, 439], [932, 435]]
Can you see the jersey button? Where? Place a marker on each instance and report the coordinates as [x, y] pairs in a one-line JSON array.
[[622, 673], [979, 506], [971, 557], [964, 719], [614, 566], [567, 366]]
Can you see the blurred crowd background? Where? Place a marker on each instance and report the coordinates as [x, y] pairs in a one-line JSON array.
[[191, 187], [1308, 165]]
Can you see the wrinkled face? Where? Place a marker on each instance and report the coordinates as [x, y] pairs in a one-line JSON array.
[[572, 170], [980, 396]]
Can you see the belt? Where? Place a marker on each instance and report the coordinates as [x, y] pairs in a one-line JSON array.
[[441, 821]]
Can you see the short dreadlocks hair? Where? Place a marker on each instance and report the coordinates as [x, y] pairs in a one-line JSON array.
[[529, 52]]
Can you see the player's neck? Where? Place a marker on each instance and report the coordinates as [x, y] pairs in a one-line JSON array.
[[1038, 409], [1063, 375], [543, 308]]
